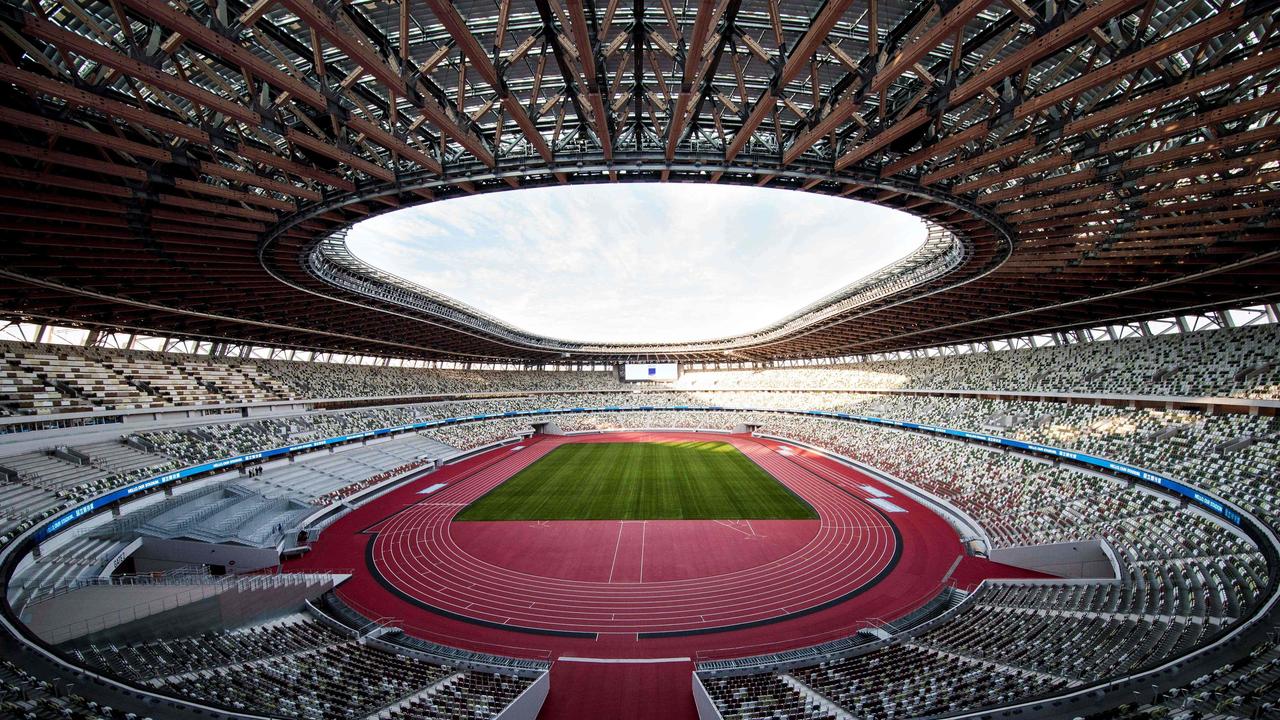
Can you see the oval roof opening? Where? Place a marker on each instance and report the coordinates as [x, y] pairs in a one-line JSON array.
[[638, 262]]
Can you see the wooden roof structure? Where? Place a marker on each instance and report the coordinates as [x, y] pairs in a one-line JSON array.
[[188, 167]]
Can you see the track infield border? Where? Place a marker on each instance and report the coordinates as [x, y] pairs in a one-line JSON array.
[[475, 475]]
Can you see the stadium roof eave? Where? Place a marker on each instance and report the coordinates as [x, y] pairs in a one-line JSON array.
[[174, 168]]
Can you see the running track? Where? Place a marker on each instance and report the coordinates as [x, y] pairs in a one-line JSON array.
[[416, 552], [929, 549]]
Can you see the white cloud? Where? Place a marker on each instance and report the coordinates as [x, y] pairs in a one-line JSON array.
[[635, 263]]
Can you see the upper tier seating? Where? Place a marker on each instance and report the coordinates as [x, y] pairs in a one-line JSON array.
[[321, 380], [230, 382], [78, 377], [23, 392], [1238, 362], [168, 381], [53, 379]]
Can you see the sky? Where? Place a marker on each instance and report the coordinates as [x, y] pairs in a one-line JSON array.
[[637, 262]]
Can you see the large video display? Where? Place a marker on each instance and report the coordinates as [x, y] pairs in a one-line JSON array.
[[651, 372]]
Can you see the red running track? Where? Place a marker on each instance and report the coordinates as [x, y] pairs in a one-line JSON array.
[[621, 551], [848, 548], [681, 562]]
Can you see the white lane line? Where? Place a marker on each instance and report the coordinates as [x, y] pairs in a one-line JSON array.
[[797, 473], [731, 526], [617, 545], [643, 527]]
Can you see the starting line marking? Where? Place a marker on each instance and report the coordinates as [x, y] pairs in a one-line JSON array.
[[624, 661]]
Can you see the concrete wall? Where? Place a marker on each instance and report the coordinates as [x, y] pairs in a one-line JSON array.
[[706, 706], [255, 411], [180, 610], [118, 559], [550, 427], [158, 555], [529, 704], [1086, 559], [88, 609]]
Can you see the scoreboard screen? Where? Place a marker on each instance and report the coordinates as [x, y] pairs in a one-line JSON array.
[[652, 372]]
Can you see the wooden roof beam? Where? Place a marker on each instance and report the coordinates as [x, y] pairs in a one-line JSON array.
[[193, 31], [1020, 170], [1189, 88], [797, 62], [587, 56], [375, 65], [1181, 40], [1201, 31], [1048, 43], [813, 38], [908, 56], [879, 141], [481, 63], [97, 52], [983, 160], [692, 58], [356, 162], [974, 132]]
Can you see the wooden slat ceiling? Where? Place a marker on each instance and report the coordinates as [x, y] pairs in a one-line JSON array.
[[171, 166]]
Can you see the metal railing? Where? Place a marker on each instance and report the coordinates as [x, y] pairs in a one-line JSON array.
[[393, 638], [857, 637], [193, 575], [197, 588]]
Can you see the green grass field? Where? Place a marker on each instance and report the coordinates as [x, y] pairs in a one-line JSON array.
[[640, 481]]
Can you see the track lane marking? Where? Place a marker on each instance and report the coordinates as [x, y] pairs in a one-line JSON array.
[[643, 528], [616, 545], [665, 604]]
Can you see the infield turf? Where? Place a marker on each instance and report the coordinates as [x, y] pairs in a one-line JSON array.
[[640, 481]]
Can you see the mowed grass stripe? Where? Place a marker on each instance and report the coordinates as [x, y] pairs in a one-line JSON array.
[[641, 481]]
